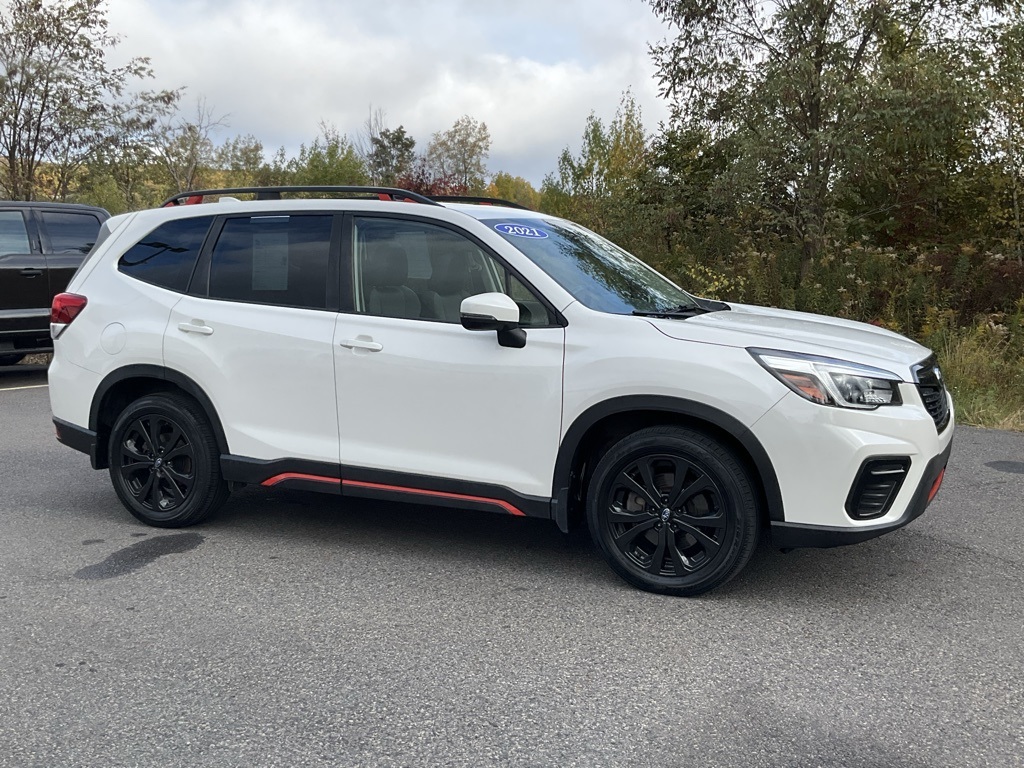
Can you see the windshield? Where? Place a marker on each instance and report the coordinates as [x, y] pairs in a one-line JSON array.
[[598, 273]]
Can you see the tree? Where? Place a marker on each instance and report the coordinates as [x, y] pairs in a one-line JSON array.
[[797, 87], [599, 185], [392, 155], [516, 189], [185, 147], [461, 153], [330, 159], [60, 102]]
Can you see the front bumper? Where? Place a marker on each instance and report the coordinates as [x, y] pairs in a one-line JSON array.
[[796, 535]]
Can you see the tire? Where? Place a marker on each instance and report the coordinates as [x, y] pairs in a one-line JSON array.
[[177, 484], [11, 359], [673, 511]]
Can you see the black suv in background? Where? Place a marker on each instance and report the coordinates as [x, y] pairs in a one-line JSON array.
[[41, 246]]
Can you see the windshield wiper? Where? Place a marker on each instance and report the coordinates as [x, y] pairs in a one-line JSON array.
[[683, 310]]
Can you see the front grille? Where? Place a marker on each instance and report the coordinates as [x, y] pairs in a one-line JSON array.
[[933, 391], [876, 486]]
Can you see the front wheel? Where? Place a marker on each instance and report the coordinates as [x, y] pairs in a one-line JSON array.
[[164, 461], [673, 511]]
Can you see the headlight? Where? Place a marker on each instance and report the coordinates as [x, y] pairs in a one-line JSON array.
[[831, 382]]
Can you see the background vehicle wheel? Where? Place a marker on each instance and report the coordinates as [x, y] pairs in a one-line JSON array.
[[164, 462], [11, 359], [673, 511]]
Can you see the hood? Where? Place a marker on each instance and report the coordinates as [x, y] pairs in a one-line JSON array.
[[768, 328]]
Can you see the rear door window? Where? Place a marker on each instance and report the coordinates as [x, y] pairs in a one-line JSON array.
[[13, 233], [167, 255], [281, 260]]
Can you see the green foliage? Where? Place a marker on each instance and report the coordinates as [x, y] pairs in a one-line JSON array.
[[61, 104], [329, 159], [391, 156], [460, 153]]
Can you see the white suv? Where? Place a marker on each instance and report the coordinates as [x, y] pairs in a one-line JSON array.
[[485, 357]]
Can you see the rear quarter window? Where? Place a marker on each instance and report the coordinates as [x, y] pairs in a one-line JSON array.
[[167, 255], [70, 232]]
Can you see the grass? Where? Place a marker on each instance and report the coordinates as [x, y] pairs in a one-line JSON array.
[[986, 377]]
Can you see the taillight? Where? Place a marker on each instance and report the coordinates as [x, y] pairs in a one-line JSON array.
[[65, 308]]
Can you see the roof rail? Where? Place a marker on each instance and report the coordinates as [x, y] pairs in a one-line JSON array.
[[478, 201], [274, 193]]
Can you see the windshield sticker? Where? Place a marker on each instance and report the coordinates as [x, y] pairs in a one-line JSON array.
[[518, 230]]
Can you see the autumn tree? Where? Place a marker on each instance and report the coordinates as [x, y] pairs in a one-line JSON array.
[[460, 153], [60, 101], [516, 189]]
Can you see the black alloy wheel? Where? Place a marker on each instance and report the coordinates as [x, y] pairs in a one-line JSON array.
[[673, 511], [164, 461], [157, 463], [10, 359]]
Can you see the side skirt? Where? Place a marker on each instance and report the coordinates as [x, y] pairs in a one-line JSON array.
[[360, 482]]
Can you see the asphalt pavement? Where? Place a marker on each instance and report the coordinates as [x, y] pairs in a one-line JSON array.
[[293, 630]]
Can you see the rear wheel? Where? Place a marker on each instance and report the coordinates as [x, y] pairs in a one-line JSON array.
[[164, 461], [673, 511], [10, 359]]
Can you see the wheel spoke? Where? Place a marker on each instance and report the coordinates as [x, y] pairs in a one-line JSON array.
[[168, 447], [711, 546], [684, 496], [617, 514], [140, 429], [628, 482], [624, 541], [681, 564], [127, 451], [178, 479], [185, 449], [647, 472], [146, 489], [711, 521], [176, 493], [659, 553], [153, 434]]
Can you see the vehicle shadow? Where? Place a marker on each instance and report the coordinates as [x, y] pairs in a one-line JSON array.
[[536, 550]]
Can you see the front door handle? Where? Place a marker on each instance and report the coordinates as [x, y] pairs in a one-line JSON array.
[[196, 326], [362, 343], [31, 272]]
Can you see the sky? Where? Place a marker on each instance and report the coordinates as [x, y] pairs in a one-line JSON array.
[[531, 70]]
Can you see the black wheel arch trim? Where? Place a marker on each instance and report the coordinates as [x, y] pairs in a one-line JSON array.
[[155, 373], [671, 405]]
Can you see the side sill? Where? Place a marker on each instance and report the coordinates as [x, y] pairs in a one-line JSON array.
[[383, 485]]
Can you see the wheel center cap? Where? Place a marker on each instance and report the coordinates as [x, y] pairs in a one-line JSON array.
[[159, 463], [666, 513]]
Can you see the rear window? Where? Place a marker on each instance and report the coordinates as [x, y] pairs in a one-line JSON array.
[[167, 255], [70, 232]]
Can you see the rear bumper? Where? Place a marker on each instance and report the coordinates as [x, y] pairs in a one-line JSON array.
[[797, 535]]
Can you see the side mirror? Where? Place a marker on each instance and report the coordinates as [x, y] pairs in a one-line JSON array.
[[494, 312]]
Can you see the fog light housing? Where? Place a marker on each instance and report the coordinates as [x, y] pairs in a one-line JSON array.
[[876, 487]]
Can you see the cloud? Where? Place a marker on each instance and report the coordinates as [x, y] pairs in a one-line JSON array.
[[532, 71]]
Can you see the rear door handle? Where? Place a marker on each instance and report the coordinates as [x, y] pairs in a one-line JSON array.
[[31, 272], [196, 326], [367, 344]]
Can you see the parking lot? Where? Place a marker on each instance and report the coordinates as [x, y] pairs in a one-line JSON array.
[[291, 630]]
